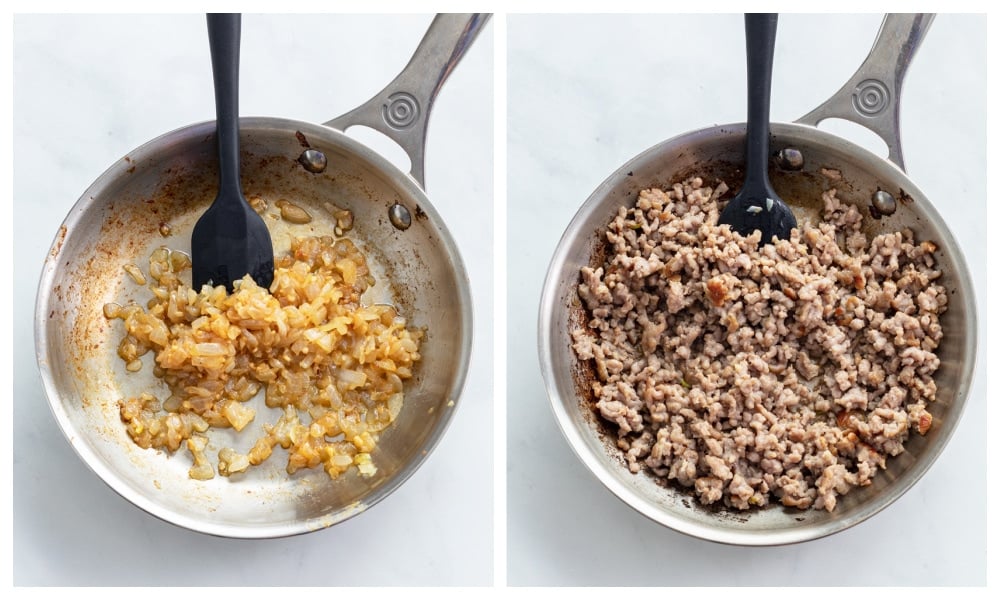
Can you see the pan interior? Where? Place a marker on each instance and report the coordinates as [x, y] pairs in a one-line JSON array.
[[716, 154], [166, 184]]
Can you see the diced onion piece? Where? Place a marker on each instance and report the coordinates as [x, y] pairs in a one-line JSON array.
[[231, 462], [136, 275], [363, 461], [342, 460], [348, 269], [395, 404], [351, 379], [238, 414], [209, 349], [112, 310], [201, 470]]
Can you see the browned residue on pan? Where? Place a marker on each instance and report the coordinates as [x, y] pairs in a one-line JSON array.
[[302, 139], [130, 228], [60, 239]]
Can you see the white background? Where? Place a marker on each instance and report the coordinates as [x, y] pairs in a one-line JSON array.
[[87, 90], [585, 95]]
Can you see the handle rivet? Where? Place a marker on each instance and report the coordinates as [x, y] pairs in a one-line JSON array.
[[790, 159], [883, 202], [399, 216], [313, 160]]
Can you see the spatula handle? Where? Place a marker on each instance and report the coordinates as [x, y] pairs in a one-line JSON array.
[[224, 42], [761, 29]]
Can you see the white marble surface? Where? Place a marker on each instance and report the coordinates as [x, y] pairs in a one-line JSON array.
[[586, 94], [87, 90]]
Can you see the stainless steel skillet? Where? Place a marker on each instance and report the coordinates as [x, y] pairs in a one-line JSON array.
[[165, 182], [870, 98]]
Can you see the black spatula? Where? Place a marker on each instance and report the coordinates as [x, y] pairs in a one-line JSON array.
[[230, 240], [758, 206]]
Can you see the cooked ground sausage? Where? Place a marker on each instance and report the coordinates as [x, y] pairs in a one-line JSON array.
[[782, 373]]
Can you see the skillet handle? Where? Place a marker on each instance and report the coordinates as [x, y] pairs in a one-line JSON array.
[[870, 97], [401, 110]]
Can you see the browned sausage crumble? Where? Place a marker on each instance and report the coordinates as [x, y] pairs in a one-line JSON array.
[[785, 373]]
